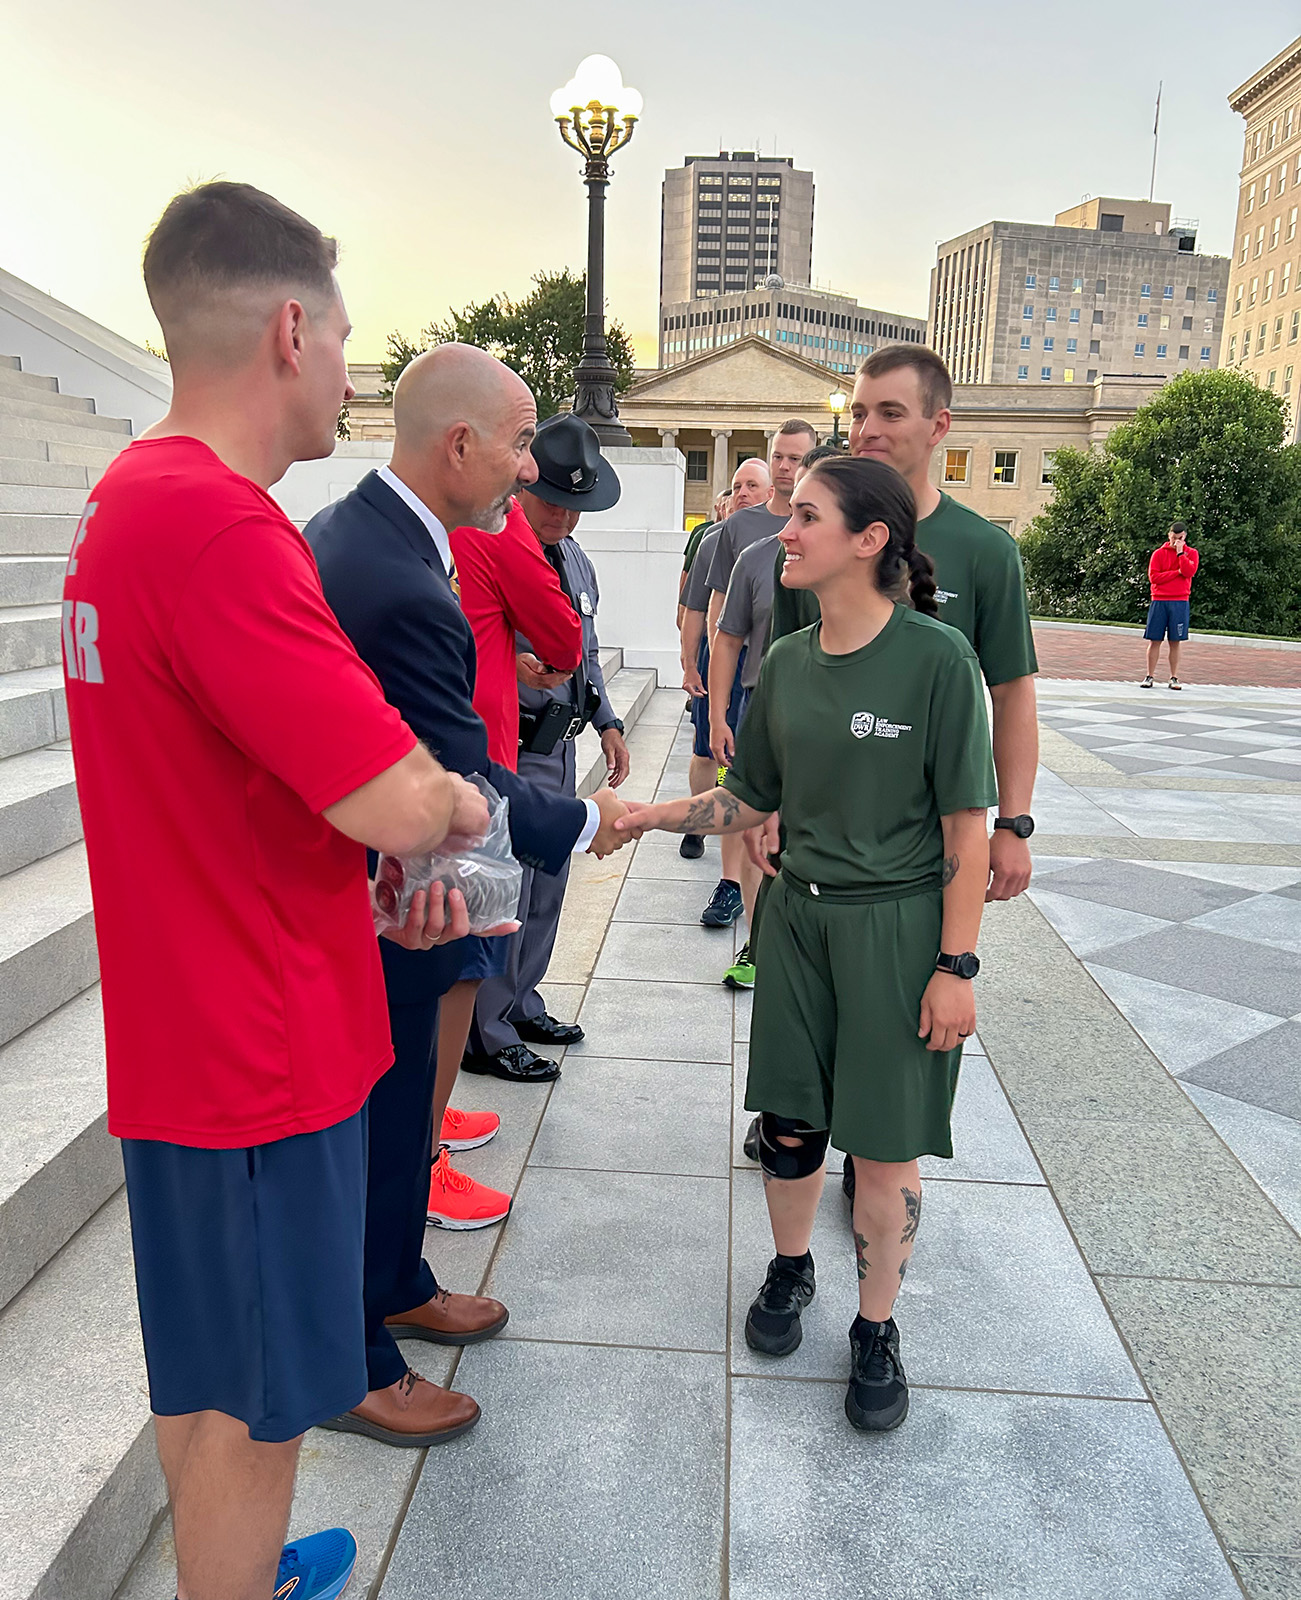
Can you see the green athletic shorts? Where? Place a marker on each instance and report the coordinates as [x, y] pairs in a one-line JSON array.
[[837, 1005]]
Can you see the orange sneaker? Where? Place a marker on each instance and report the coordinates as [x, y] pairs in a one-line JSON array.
[[467, 1130], [457, 1201]]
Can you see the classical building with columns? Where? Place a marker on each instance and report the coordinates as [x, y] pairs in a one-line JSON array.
[[725, 406]]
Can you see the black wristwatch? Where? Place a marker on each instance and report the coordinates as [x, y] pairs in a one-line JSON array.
[[616, 724], [1022, 826], [966, 965]]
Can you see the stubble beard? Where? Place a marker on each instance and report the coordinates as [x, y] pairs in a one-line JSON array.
[[493, 520]]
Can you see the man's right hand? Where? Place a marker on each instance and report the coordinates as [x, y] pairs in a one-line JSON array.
[[468, 826], [691, 681], [764, 842], [535, 674], [608, 839], [722, 744]]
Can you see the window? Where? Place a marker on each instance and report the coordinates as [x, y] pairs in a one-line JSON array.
[[1233, 348], [1140, 349], [1025, 341], [1142, 319], [1212, 294], [1251, 296], [1208, 325], [1050, 315], [1278, 333], [1273, 373], [1262, 333], [1183, 352], [1100, 286], [1260, 239], [1291, 224], [1273, 134], [1165, 322], [697, 466], [1188, 324], [1294, 326], [1145, 291], [1161, 351], [1206, 353], [1027, 313], [1168, 293], [1111, 222], [1237, 301], [1282, 178], [1095, 348], [1030, 280], [1077, 284], [1246, 248], [1046, 374], [1054, 284], [1071, 346], [1046, 466], [1264, 190], [1269, 286], [1092, 375], [1287, 380], [1288, 123], [1075, 313], [1048, 344], [1097, 319], [956, 465], [1274, 232], [1068, 375], [1250, 199], [1005, 466], [1022, 373]]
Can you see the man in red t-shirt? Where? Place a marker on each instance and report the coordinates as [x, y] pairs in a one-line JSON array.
[[1170, 573], [234, 757]]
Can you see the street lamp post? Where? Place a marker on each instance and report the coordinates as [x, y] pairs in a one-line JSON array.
[[837, 400], [596, 113]]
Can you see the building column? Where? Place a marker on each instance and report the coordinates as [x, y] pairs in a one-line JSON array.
[[722, 477], [668, 438]]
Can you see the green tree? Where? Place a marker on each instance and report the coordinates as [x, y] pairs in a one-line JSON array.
[[540, 337], [1207, 450]]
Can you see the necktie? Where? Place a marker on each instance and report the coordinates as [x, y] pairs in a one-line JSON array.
[[453, 577], [576, 684]]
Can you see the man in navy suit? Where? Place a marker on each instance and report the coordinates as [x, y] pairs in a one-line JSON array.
[[464, 426]]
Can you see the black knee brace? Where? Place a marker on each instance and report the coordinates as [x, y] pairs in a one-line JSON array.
[[787, 1160]]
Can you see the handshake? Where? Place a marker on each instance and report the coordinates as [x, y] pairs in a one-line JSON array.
[[609, 837]]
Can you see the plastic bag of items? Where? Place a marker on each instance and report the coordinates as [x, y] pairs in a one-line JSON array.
[[487, 874]]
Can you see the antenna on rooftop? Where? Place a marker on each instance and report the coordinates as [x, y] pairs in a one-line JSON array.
[[1156, 138]]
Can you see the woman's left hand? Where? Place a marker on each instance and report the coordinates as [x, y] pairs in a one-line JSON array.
[[948, 1011]]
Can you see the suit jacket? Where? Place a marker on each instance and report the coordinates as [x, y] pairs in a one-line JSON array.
[[579, 578], [385, 581]]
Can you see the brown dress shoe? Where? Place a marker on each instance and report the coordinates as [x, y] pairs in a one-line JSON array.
[[412, 1412], [451, 1319]]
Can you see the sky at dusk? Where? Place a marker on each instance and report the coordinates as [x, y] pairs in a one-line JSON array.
[[419, 133]]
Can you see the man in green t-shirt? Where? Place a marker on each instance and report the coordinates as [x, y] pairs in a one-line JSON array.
[[900, 414]]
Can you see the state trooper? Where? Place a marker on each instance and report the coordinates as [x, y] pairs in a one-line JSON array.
[[573, 477]]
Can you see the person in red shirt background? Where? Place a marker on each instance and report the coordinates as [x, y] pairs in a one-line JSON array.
[[234, 757], [507, 587], [1170, 573]]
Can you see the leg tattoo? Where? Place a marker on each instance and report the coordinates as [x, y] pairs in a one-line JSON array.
[[912, 1202], [860, 1253]]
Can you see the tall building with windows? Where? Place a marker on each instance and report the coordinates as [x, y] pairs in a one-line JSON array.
[[731, 220], [831, 329], [1262, 331], [1111, 288]]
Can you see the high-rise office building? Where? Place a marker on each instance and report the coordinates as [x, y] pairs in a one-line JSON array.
[[731, 220], [1111, 288], [1262, 331]]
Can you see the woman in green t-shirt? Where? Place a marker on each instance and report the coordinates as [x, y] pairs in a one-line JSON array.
[[868, 732]]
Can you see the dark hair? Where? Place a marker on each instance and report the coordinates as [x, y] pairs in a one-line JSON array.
[[1178, 527], [228, 235], [820, 452], [798, 425], [932, 375], [869, 491]]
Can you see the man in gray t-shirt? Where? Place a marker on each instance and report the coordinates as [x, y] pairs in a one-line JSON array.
[[747, 607]]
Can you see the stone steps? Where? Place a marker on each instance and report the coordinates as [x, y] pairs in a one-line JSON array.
[[39, 814], [15, 380], [95, 455], [29, 637], [31, 580], [43, 474], [37, 533], [31, 710], [47, 940], [40, 497], [75, 428], [56, 408]]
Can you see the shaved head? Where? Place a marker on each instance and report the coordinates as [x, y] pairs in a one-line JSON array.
[[464, 423], [455, 383]]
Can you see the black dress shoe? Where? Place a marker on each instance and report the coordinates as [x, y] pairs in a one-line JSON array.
[[692, 847], [546, 1030], [516, 1063]]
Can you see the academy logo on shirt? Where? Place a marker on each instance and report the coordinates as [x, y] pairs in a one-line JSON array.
[[941, 595], [863, 723]]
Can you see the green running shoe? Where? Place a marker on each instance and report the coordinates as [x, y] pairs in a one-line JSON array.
[[740, 975]]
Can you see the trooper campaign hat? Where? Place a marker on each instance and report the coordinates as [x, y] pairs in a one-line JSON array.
[[571, 469]]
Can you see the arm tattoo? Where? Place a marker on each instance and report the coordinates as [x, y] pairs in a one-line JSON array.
[[717, 809], [912, 1205], [860, 1253], [949, 871]]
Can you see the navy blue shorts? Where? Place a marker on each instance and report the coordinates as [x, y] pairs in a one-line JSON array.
[[700, 708], [249, 1276], [484, 958], [1168, 619]]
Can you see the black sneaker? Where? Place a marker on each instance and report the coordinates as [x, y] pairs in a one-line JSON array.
[[725, 906], [877, 1397], [773, 1323], [750, 1144], [692, 847], [848, 1179]]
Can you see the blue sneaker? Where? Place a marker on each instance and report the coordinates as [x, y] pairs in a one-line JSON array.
[[317, 1567], [725, 906]]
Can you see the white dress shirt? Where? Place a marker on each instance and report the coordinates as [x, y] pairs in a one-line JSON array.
[[438, 533]]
